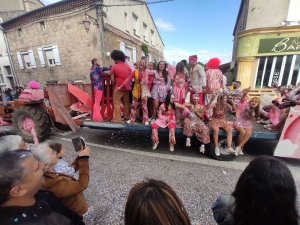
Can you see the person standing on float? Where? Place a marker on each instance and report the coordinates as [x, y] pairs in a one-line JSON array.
[[97, 87], [197, 79]]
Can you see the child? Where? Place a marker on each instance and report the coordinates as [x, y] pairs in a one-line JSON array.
[[62, 166], [218, 121], [243, 124]]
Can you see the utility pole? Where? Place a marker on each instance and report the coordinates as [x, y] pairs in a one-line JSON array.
[[100, 24]]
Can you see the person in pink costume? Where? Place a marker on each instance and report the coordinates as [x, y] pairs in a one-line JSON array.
[[166, 118], [214, 79], [180, 84], [140, 91], [195, 124], [159, 88], [218, 121], [197, 79], [243, 124]]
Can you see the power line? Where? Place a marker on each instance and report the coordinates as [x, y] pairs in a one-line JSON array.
[[140, 3]]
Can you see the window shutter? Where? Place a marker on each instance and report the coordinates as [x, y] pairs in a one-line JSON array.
[[150, 58], [56, 55], [41, 57], [32, 60], [122, 47], [20, 60], [133, 55]]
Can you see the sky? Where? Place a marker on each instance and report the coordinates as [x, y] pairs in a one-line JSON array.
[[194, 27]]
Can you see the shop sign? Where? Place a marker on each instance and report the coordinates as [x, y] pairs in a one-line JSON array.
[[277, 45]]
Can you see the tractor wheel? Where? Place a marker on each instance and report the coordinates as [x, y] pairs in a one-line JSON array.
[[224, 156], [39, 117]]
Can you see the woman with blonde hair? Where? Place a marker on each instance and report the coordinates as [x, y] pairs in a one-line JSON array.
[[154, 202], [218, 121]]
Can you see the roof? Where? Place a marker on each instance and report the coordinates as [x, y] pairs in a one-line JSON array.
[[40, 10], [238, 16]]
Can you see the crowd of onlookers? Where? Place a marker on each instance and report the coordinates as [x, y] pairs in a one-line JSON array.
[[11, 93], [38, 187]]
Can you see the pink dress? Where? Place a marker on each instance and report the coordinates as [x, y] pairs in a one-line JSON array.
[[159, 90], [243, 121], [179, 88]]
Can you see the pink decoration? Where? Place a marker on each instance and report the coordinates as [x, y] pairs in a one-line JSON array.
[[33, 84], [29, 126], [213, 63]]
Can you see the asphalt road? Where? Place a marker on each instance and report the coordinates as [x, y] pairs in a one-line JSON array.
[[120, 159]]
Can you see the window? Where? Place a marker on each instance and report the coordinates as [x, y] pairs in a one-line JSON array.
[[135, 24], [152, 38], [126, 22], [27, 61], [128, 53], [20, 32], [145, 32], [1, 78], [43, 25], [283, 69], [52, 56], [8, 70]]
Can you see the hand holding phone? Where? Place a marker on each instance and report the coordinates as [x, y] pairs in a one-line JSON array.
[[78, 143], [84, 152]]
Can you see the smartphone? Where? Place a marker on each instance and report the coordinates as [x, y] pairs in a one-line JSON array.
[[78, 143]]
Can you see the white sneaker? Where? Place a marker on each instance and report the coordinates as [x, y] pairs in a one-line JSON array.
[[237, 150], [152, 121], [265, 122], [146, 123], [188, 142], [202, 149], [155, 145], [172, 148], [217, 151], [128, 121], [230, 151]]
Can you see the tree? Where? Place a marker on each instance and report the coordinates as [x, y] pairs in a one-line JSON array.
[[188, 66]]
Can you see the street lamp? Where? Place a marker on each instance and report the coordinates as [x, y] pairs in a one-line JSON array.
[[86, 24]]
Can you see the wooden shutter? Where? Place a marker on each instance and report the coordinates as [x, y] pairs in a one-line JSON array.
[[20, 61], [56, 55], [31, 57], [133, 55], [41, 57]]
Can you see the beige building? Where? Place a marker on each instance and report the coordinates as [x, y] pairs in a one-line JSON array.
[[58, 41], [26, 5], [8, 10], [267, 43]]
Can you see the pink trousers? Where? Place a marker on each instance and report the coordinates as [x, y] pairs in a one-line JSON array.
[[96, 109]]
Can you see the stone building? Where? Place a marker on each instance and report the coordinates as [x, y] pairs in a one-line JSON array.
[[267, 43], [57, 42], [8, 10]]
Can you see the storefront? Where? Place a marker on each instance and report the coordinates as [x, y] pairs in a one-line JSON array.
[[268, 55]]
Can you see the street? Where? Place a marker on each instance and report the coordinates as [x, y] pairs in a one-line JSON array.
[[120, 159]]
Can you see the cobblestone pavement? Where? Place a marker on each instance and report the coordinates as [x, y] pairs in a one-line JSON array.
[[120, 159]]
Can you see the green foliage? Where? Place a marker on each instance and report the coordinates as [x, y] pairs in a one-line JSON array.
[[188, 66], [145, 49]]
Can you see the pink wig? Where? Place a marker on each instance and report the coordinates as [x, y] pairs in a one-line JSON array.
[[213, 63], [33, 84]]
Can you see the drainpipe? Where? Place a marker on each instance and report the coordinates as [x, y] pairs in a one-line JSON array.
[[10, 59], [100, 22]]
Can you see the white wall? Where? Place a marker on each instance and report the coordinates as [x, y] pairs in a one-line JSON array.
[[116, 18], [267, 13], [294, 10], [4, 61]]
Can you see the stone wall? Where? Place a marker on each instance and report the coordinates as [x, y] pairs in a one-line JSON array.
[[76, 48], [113, 37]]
